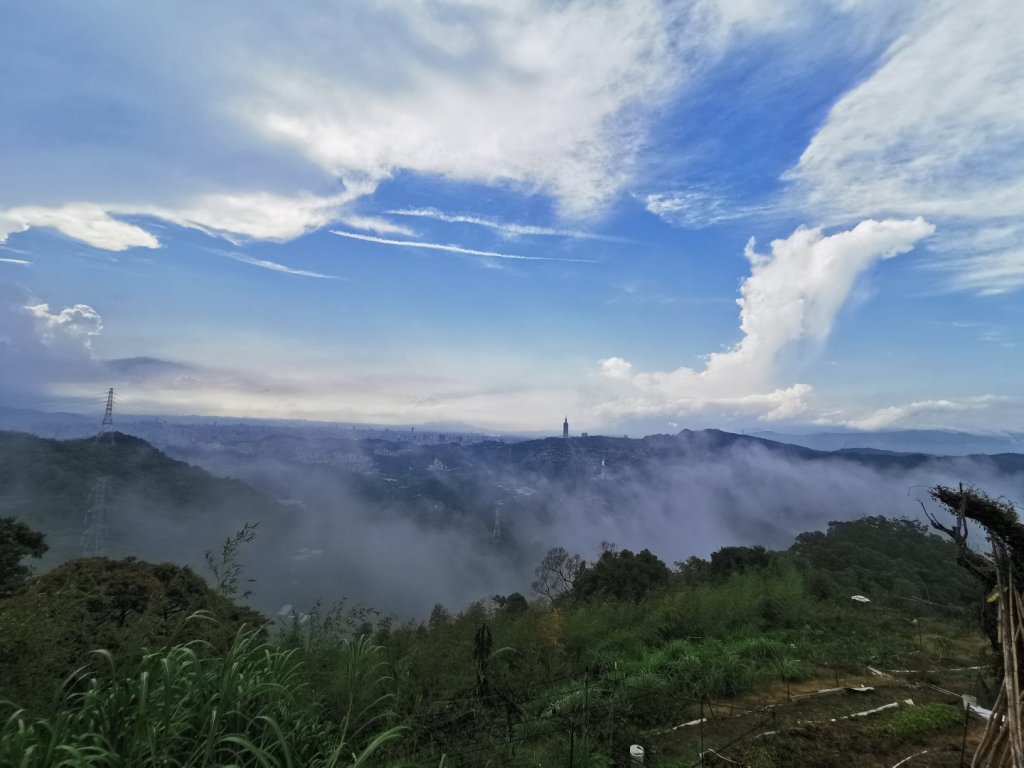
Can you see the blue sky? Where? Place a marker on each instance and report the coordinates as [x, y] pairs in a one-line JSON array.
[[646, 215]]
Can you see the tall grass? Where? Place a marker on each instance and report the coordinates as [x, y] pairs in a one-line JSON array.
[[189, 708]]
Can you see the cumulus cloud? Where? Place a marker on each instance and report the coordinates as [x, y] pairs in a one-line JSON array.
[[40, 348], [75, 325], [792, 295]]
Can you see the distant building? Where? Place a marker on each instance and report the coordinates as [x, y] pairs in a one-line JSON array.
[[565, 427]]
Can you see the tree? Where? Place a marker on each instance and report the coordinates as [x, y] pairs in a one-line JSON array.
[[511, 605], [557, 573], [729, 560], [17, 541], [622, 575], [49, 628]]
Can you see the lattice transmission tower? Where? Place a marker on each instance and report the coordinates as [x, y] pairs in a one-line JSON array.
[[496, 535], [106, 433], [94, 537]]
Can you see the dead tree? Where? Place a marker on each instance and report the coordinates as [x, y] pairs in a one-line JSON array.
[[1003, 576], [557, 573]]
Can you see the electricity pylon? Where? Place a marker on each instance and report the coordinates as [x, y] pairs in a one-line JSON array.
[[94, 537], [106, 433]]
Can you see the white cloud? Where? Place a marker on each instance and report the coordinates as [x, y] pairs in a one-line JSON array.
[[792, 295], [450, 248], [552, 97], [376, 224], [548, 98], [234, 217], [86, 222], [696, 209], [989, 260], [257, 215], [76, 325], [934, 413], [20, 262], [937, 130], [275, 267], [39, 348], [507, 229]]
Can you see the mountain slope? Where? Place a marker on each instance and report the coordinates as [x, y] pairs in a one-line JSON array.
[[153, 506]]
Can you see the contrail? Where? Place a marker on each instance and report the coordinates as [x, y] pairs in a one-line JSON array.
[[453, 248]]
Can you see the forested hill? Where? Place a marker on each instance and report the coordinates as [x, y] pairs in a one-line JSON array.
[[149, 504], [703, 444]]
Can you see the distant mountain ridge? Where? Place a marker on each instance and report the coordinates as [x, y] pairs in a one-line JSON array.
[[934, 442], [334, 509]]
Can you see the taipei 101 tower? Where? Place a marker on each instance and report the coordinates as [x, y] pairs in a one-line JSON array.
[[565, 427]]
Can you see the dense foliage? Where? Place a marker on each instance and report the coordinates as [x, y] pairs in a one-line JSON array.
[[616, 650], [186, 706], [49, 628], [17, 541]]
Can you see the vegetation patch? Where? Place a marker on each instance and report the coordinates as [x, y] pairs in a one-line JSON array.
[[914, 722]]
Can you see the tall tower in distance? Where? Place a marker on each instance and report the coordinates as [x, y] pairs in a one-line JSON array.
[[565, 427]]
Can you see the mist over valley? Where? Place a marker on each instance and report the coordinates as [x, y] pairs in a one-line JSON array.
[[401, 521]]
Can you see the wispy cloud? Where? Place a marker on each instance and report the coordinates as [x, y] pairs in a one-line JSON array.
[[453, 248], [937, 130], [508, 229], [22, 262], [695, 209], [15, 250], [376, 224], [273, 265], [933, 413]]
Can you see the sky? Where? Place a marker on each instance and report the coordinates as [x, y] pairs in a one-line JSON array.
[[644, 215]]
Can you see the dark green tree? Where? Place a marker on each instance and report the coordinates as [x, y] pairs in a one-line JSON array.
[[729, 560], [622, 575], [17, 541], [511, 605]]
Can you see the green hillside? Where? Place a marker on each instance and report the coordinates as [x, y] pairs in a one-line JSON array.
[[157, 507]]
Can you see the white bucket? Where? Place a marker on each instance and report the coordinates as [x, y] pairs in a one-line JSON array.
[[636, 755]]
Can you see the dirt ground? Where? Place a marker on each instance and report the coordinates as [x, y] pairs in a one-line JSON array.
[[802, 728]]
